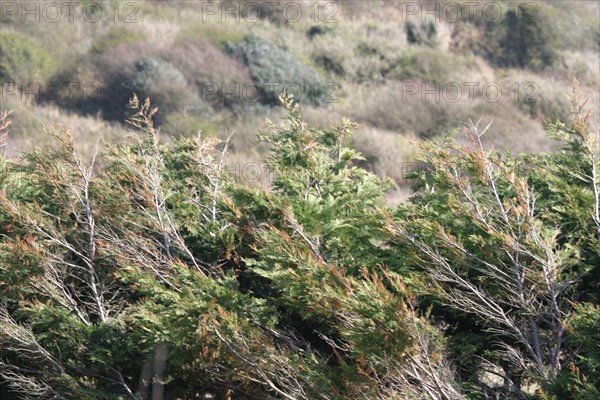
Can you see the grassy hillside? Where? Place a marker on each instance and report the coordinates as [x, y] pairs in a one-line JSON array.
[[393, 68]]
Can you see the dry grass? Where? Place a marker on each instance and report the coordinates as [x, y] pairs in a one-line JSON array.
[[550, 93], [511, 129], [584, 65], [388, 106], [388, 154], [26, 131]]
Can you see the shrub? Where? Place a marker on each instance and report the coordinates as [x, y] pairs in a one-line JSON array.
[[421, 32], [165, 84], [22, 60], [575, 28], [488, 228], [528, 41], [169, 98], [243, 289], [581, 380], [152, 71], [174, 85], [347, 61], [335, 55], [466, 38], [521, 39], [270, 65], [318, 30], [113, 71]]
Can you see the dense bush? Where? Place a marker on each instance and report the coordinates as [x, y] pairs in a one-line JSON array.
[[367, 61], [528, 41], [116, 74], [574, 28], [253, 293], [523, 38], [307, 284], [581, 381], [496, 237], [159, 273], [166, 84], [274, 69], [152, 71]]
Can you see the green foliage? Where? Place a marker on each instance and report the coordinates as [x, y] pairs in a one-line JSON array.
[[371, 61], [582, 380], [331, 197], [22, 60], [269, 294], [585, 327], [478, 219], [152, 254], [221, 80]]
